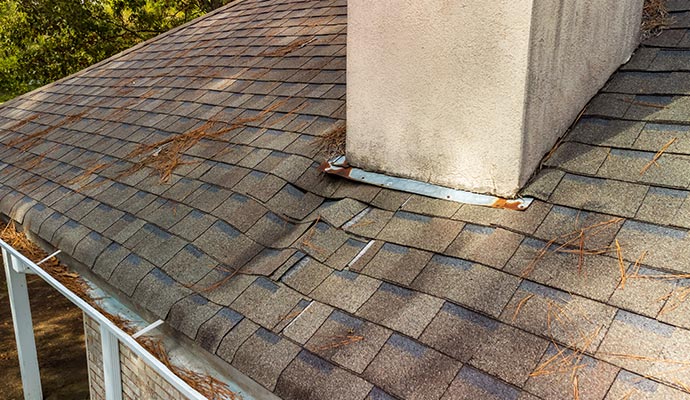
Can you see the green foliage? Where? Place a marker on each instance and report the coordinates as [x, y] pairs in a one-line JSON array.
[[44, 40]]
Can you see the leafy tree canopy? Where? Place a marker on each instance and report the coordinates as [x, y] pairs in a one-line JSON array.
[[44, 40]]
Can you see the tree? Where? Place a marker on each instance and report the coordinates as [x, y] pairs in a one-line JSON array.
[[44, 40]]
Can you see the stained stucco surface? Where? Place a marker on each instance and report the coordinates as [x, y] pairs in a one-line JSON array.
[[472, 94]]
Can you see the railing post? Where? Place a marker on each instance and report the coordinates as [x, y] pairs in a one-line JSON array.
[[112, 379], [23, 327]]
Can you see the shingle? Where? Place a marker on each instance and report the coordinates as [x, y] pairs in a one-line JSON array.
[[109, 259], [214, 330], [563, 223], [600, 195], [644, 337], [101, 217], [35, 217], [226, 244], [607, 132], [274, 231], [189, 265], [543, 184], [322, 240], [155, 244], [268, 261], [157, 292], [356, 191], [130, 271], [307, 322], [663, 246], [510, 354], [90, 248], [326, 381], [458, 332], [51, 225], [593, 377], [396, 263], [234, 339], [69, 235], [578, 158], [293, 202], [188, 314], [593, 276], [348, 341], [643, 388], [470, 384], [193, 224], [400, 309], [137, 202], [525, 222], [655, 136], [429, 233], [306, 275], [609, 105], [164, 213], [473, 285], [340, 211], [628, 165], [346, 290], [264, 356], [369, 222], [675, 310], [349, 252], [411, 370], [540, 312], [259, 185], [486, 245], [266, 302], [124, 228], [429, 206], [240, 211], [644, 292]]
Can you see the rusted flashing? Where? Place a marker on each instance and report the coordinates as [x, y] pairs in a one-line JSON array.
[[339, 166]]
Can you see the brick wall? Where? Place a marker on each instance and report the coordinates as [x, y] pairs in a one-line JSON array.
[[139, 381]]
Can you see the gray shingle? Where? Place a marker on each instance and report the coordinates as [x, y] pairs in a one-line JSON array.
[[428, 233], [346, 290], [326, 381], [397, 264], [264, 356], [188, 314], [266, 302], [400, 309], [157, 292], [510, 354], [486, 245], [348, 341], [593, 377], [471, 383], [408, 369], [473, 285]]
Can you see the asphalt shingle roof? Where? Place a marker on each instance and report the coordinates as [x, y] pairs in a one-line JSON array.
[[318, 288]]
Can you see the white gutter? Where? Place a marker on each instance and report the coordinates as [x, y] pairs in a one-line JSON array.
[[16, 268]]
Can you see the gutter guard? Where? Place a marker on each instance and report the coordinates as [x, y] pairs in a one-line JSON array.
[[339, 166]]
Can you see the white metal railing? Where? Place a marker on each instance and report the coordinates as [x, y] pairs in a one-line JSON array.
[[16, 268]]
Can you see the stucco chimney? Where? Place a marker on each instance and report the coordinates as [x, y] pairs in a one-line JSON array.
[[471, 94]]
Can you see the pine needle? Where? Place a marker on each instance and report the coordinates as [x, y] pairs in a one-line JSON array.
[[520, 305], [657, 156], [621, 265]]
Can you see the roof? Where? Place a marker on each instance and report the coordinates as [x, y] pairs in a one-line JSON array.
[[320, 288]]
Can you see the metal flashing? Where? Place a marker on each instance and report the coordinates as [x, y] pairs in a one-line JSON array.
[[339, 166]]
